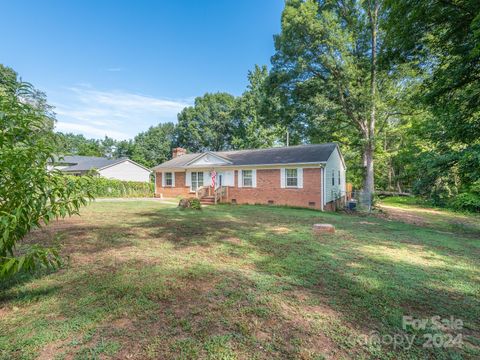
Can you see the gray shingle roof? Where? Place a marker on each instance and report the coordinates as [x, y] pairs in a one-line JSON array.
[[301, 154], [86, 163]]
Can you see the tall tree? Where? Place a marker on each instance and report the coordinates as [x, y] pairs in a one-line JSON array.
[[124, 148], [209, 124], [154, 146], [327, 67], [443, 38], [254, 128], [76, 144]]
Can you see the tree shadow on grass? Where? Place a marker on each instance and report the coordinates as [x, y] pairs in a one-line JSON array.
[[164, 312], [72, 239], [303, 295], [364, 287]]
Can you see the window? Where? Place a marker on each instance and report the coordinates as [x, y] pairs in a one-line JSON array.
[[197, 180], [339, 179], [291, 176], [333, 177], [247, 178], [168, 179]]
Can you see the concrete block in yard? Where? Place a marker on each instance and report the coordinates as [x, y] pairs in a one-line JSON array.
[[323, 228]]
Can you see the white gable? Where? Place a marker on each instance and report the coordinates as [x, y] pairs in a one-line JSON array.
[[126, 171], [208, 159], [334, 177]]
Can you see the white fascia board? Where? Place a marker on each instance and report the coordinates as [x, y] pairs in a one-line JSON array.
[[122, 161], [257, 166], [205, 154]]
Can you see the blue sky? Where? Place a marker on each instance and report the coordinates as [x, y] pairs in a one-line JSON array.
[[117, 67]]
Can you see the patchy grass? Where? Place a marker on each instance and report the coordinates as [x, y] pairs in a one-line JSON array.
[[414, 211], [146, 280]]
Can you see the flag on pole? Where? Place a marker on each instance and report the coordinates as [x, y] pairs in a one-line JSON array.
[[214, 175]]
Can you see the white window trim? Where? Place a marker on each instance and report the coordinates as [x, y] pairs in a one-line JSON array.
[[286, 179], [242, 178], [164, 179], [283, 178], [191, 180]]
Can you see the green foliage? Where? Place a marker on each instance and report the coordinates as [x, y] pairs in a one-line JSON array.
[[222, 122], [30, 196], [330, 74], [253, 128], [208, 124], [190, 203], [76, 144], [442, 38], [111, 188], [468, 201], [195, 204], [149, 148], [154, 146]]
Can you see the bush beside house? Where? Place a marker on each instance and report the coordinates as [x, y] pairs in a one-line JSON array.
[[110, 188]]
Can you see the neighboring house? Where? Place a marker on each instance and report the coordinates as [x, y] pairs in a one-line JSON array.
[[306, 175], [120, 169]]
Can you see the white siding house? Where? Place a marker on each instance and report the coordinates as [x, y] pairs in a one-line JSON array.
[[126, 171], [334, 177], [120, 169]]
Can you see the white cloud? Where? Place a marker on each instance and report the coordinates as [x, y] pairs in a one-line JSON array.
[[88, 129], [114, 69], [118, 114]]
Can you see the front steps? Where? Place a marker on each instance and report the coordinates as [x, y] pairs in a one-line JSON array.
[[207, 200]]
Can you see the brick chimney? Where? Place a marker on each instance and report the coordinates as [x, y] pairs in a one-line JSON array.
[[178, 152]]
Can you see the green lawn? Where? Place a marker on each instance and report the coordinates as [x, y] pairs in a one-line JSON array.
[[146, 280]]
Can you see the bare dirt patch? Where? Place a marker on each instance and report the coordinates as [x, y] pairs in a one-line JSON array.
[[404, 215], [52, 349]]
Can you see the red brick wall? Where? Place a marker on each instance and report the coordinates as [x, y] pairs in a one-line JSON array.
[[179, 189], [268, 189]]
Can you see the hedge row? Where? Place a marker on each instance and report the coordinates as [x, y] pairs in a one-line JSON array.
[[109, 188]]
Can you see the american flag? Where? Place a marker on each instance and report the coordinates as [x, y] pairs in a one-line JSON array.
[[214, 175]]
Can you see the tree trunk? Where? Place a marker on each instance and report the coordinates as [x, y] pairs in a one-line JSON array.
[[370, 145], [369, 182]]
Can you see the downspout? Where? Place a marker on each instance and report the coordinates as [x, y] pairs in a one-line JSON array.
[[322, 191], [155, 184]]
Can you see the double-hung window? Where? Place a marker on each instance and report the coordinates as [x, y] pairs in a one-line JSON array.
[[247, 178], [339, 179], [333, 177], [168, 179], [291, 176], [197, 180]]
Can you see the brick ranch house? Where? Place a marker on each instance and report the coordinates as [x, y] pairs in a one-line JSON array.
[[306, 175]]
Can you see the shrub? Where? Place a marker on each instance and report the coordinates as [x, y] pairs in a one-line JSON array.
[[195, 204], [110, 188], [190, 203], [466, 202]]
